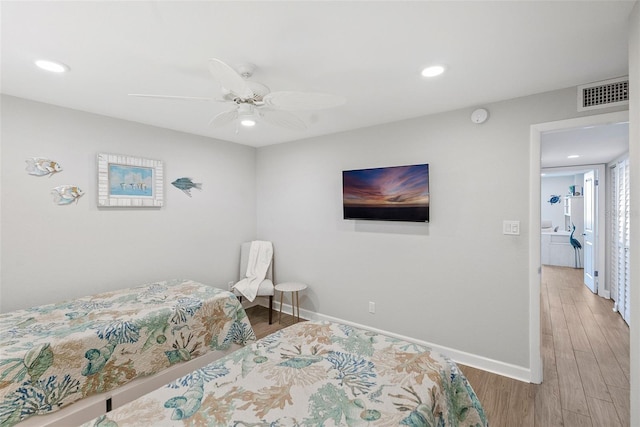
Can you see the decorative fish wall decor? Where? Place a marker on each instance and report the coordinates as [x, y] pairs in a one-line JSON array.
[[66, 194], [39, 166], [554, 199], [186, 184]]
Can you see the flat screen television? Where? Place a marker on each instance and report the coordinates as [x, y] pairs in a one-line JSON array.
[[396, 193]]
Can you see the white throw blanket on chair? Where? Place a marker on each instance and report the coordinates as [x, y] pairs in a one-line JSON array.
[[260, 255]]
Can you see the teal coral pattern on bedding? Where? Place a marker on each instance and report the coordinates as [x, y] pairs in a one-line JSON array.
[[56, 354], [313, 374]]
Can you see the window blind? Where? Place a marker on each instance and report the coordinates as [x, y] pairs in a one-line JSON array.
[[620, 241]]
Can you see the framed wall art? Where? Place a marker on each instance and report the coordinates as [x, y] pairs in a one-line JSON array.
[[129, 182]]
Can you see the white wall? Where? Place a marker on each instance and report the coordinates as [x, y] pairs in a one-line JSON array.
[[634, 159], [555, 185], [457, 281], [51, 252]]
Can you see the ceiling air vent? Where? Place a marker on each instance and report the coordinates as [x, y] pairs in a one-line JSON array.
[[604, 94]]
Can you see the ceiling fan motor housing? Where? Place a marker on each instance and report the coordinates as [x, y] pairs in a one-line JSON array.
[[246, 70]]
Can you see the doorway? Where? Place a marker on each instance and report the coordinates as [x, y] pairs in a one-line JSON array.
[[573, 224], [537, 131]]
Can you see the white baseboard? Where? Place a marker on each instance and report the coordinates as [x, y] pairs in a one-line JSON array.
[[494, 366]]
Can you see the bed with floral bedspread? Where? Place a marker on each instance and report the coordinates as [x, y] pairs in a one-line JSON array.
[[56, 354], [313, 374]]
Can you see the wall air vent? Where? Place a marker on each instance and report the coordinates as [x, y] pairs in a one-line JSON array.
[[604, 94]]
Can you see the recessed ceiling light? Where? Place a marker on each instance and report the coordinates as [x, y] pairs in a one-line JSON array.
[[54, 67], [248, 122], [433, 71], [573, 156]]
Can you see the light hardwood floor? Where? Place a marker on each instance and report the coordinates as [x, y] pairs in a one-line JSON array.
[[585, 350], [259, 317]]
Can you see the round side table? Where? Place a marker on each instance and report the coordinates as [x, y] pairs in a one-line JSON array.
[[294, 288]]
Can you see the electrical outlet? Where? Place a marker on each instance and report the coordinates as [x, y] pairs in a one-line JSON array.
[[372, 307]]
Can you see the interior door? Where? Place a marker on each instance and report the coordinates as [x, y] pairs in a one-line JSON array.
[[589, 231]]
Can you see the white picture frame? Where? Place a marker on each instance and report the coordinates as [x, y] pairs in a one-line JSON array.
[[129, 182]]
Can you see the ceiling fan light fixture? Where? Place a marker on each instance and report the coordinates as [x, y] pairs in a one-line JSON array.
[[433, 71], [52, 66], [246, 114]]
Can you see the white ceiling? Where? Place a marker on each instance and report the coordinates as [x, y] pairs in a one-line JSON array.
[[593, 144], [371, 52]]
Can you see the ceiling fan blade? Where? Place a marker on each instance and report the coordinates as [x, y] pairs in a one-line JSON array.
[[282, 119], [287, 100], [229, 78], [173, 97], [223, 118]]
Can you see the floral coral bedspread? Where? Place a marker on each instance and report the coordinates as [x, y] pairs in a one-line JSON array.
[[313, 374], [56, 354]]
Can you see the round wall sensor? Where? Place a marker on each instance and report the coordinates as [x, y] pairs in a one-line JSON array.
[[480, 115]]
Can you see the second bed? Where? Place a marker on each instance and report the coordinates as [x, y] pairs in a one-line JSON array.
[[313, 374]]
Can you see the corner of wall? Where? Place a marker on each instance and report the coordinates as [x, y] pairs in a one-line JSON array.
[[634, 158]]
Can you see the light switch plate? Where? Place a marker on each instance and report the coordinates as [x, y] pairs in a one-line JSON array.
[[511, 228]]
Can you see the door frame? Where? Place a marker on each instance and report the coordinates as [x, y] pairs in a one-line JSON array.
[[535, 266]]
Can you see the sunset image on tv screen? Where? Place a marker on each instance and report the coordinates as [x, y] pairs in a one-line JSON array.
[[399, 193]]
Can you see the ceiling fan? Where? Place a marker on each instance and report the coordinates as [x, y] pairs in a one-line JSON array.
[[254, 100]]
